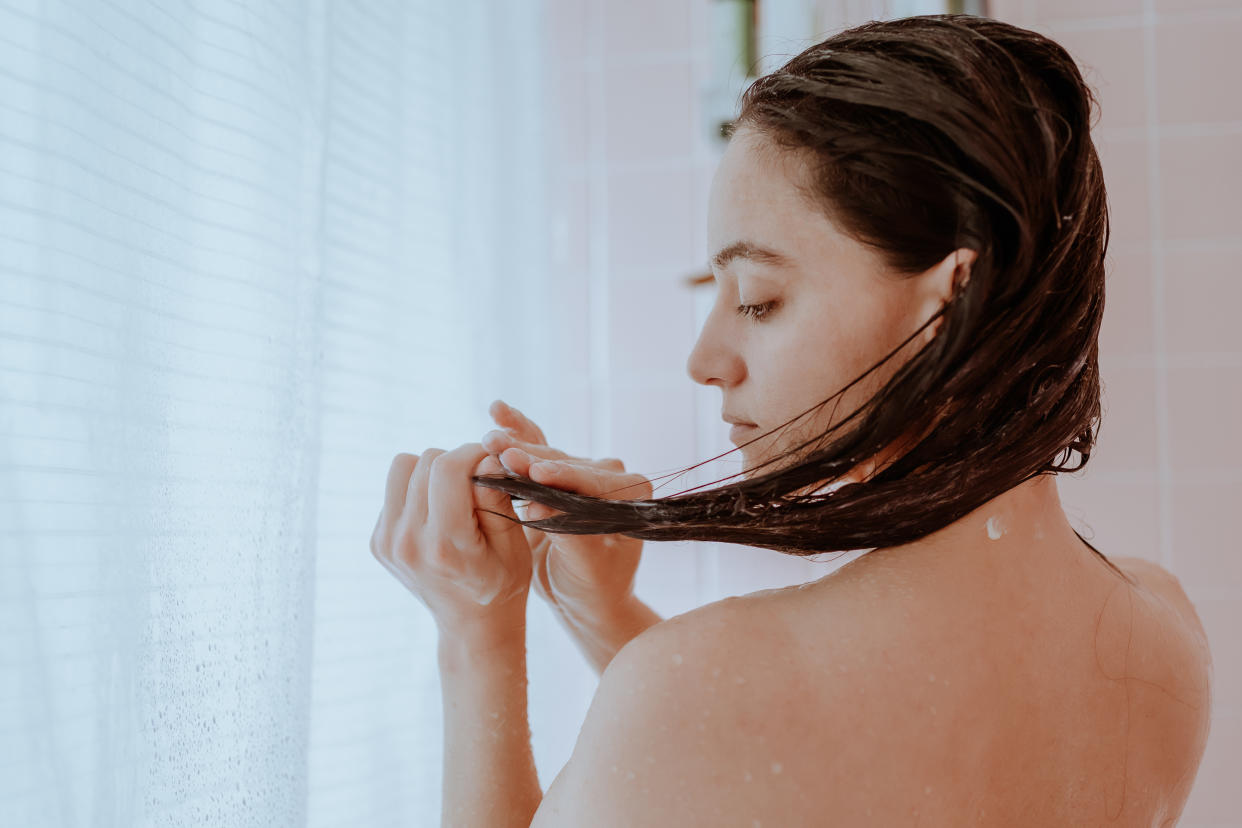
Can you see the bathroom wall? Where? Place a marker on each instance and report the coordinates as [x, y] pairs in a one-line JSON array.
[[630, 194]]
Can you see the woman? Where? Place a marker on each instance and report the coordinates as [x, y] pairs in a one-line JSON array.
[[912, 215]]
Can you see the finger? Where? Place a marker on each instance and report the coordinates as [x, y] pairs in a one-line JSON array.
[[590, 481], [416, 493], [450, 498], [398, 484], [519, 460], [497, 441], [498, 524], [488, 500], [507, 416], [516, 461]]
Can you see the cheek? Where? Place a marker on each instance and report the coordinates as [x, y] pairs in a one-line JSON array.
[[821, 357], [793, 370]]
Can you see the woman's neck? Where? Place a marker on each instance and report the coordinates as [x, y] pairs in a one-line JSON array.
[[1024, 526]]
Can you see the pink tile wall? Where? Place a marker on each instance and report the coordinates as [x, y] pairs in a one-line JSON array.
[[1166, 479]]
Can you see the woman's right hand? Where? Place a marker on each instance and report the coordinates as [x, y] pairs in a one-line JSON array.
[[585, 577]]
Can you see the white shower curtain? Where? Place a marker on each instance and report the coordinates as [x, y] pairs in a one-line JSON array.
[[248, 252]]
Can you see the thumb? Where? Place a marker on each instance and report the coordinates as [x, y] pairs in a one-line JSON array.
[[497, 530]]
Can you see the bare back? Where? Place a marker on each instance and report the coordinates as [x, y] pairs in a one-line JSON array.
[[1063, 698]]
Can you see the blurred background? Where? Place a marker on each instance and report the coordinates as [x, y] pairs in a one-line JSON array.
[[249, 252]]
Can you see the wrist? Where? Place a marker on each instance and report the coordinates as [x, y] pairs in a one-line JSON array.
[[465, 644], [614, 625]]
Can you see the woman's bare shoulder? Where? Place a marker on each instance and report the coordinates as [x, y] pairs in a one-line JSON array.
[[1166, 587], [745, 712], [903, 656], [804, 708]]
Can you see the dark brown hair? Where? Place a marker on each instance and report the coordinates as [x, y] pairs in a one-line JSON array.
[[926, 134]]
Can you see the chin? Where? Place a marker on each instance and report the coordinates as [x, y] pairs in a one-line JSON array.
[[749, 462]]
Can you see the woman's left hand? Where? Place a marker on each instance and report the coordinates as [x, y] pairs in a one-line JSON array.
[[467, 566]]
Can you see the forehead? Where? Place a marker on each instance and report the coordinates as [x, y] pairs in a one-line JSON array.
[[759, 195]]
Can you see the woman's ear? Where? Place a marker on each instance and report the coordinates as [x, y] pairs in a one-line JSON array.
[[942, 282]]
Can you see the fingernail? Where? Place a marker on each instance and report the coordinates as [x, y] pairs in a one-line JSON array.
[[520, 454]]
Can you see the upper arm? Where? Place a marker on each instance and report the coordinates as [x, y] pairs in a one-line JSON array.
[[681, 731], [631, 741], [640, 755]]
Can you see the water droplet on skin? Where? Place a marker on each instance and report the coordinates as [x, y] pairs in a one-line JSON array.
[[629, 775], [677, 658], [748, 777], [776, 767], [995, 527], [715, 672], [928, 789], [739, 680]]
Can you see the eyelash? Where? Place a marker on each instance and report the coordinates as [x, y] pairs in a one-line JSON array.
[[757, 312]]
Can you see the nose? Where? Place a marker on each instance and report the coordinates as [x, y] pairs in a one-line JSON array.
[[714, 360]]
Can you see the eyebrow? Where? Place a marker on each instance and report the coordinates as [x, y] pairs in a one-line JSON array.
[[751, 252]]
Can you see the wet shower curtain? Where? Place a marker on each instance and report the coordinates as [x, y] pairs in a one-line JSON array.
[[248, 252]]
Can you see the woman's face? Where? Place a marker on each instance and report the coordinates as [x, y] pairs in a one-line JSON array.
[[828, 309]]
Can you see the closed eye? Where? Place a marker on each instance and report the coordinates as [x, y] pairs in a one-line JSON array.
[[757, 312]]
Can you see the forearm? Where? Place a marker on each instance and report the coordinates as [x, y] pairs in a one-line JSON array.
[[490, 779], [602, 637]]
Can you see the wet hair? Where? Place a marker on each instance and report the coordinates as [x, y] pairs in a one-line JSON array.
[[926, 134]]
